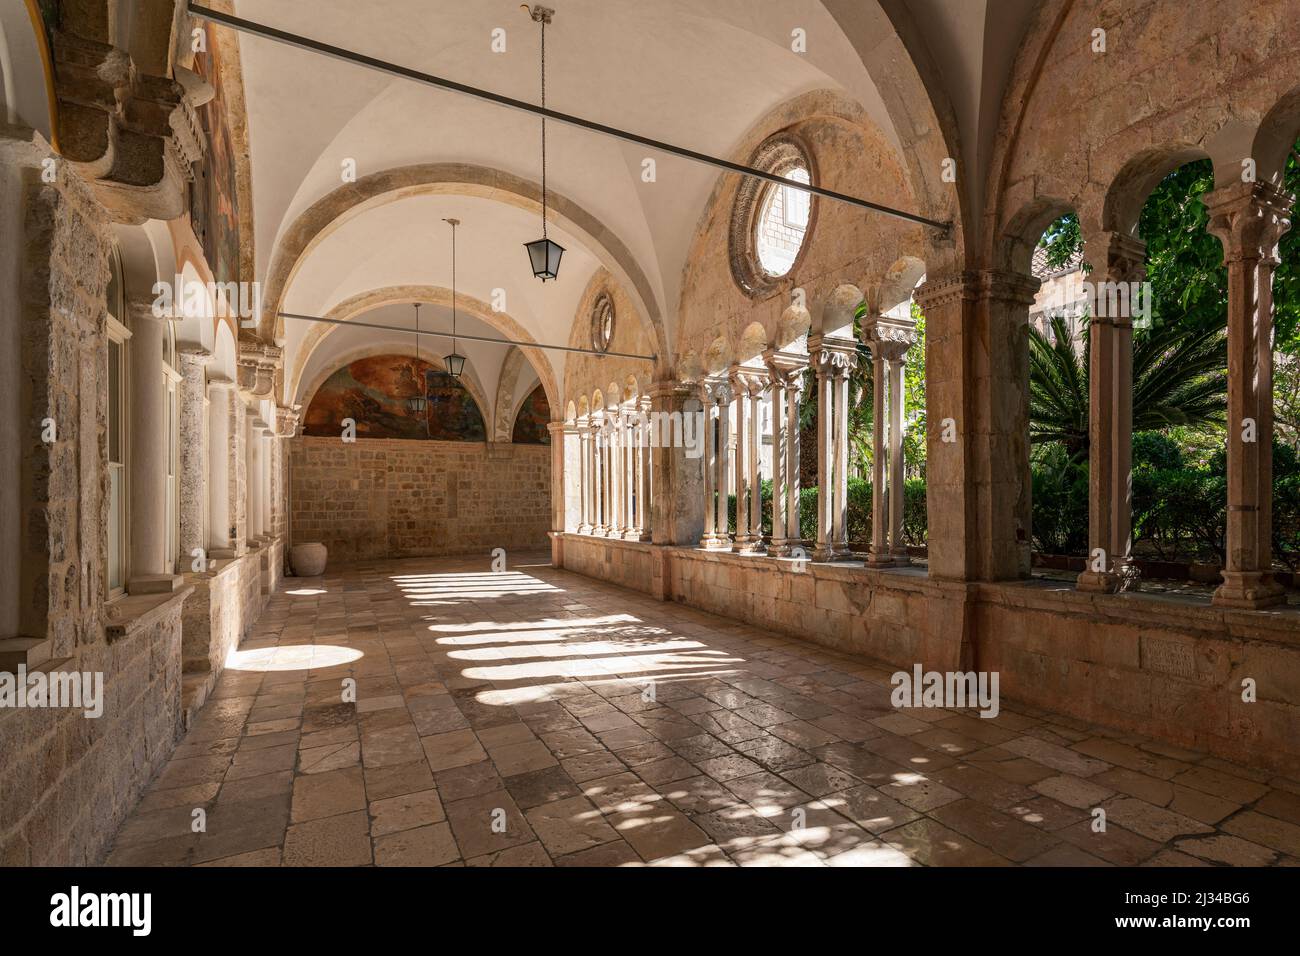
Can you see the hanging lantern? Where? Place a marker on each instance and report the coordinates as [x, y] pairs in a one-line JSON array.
[[543, 254], [417, 403], [455, 362]]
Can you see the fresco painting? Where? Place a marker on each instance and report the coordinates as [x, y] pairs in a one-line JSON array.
[[374, 391], [530, 423]]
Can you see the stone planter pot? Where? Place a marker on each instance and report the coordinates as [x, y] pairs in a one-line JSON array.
[[308, 559]]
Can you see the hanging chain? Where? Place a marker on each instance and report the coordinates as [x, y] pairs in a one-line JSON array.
[[543, 128], [417, 338]]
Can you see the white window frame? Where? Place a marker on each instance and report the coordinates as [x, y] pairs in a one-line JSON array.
[[171, 382], [119, 334]]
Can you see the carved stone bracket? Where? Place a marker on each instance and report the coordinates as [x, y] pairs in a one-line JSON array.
[[257, 367]]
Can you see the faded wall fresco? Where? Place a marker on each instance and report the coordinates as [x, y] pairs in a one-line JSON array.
[[374, 391], [530, 424], [214, 204]]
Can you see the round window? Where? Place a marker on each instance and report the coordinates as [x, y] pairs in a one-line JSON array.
[[782, 224], [602, 323], [770, 221]]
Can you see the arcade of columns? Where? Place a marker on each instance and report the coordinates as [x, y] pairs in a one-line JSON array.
[[978, 466], [614, 462]]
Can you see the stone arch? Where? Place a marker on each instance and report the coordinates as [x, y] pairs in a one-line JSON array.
[[835, 314], [355, 306], [892, 46], [331, 211], [1276, 137], [1122, 206], [1017, 241], [899, 282], [505, 408], [470, 383]]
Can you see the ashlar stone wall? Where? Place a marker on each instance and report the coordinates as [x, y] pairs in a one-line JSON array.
[[387, 498], [69, 779]]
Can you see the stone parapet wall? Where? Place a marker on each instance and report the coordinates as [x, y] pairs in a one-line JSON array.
[[386, 498], [225, 605], [70, 780], [1166, 669]]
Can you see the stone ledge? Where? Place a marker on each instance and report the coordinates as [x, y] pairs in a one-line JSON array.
[[129, 615]]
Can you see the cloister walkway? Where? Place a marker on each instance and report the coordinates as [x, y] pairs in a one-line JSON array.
[[534, 717]]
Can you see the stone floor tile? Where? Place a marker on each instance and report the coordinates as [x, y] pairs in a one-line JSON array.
[[457, 748], [384, 782], [487, 823], [541, 786], [569, 825], [405, 812], [431, 845], [327, 794], [930, 843]]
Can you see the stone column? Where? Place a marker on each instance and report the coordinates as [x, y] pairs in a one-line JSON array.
[[842, 461], [1250, 219], [615, 462], [678, 478], [1121, 259], [897, 497], [194, 471], [977, 463], [570, 465], [269, 452], [253, 488], [564, 496], [835, 359], [743, 540], [631, 530], [584, 455], [151, 569], [879, 554], [601, 443], [221, 531], [786, 371], [644, 473], [238, 419], [757, 385]]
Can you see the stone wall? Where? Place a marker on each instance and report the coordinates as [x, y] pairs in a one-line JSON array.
[[69, 780], [379, 498], [1165, 669]]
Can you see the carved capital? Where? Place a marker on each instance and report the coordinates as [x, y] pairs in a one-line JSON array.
[[835, 356], [750, 380], [287, 419], [1249, 219]]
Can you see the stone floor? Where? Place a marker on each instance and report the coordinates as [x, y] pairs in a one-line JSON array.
[[534, 717]]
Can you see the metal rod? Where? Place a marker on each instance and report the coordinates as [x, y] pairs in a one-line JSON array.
[[353, 323], [254, 28]]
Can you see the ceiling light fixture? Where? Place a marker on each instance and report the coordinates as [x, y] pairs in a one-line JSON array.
[[455, 361], [543, 254]]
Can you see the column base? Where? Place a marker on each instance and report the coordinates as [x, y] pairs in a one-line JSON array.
[[1250, 590], [583, 529], [1098, 582], [716, 542], [753, 546], [877, 559], [784, 547]]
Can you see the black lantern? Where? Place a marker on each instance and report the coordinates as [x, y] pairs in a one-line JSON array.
[[455, 362], [417, 403], [544, 254]]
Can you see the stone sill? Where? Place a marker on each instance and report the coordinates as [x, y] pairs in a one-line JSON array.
[[1280, 625], [128, 615]]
